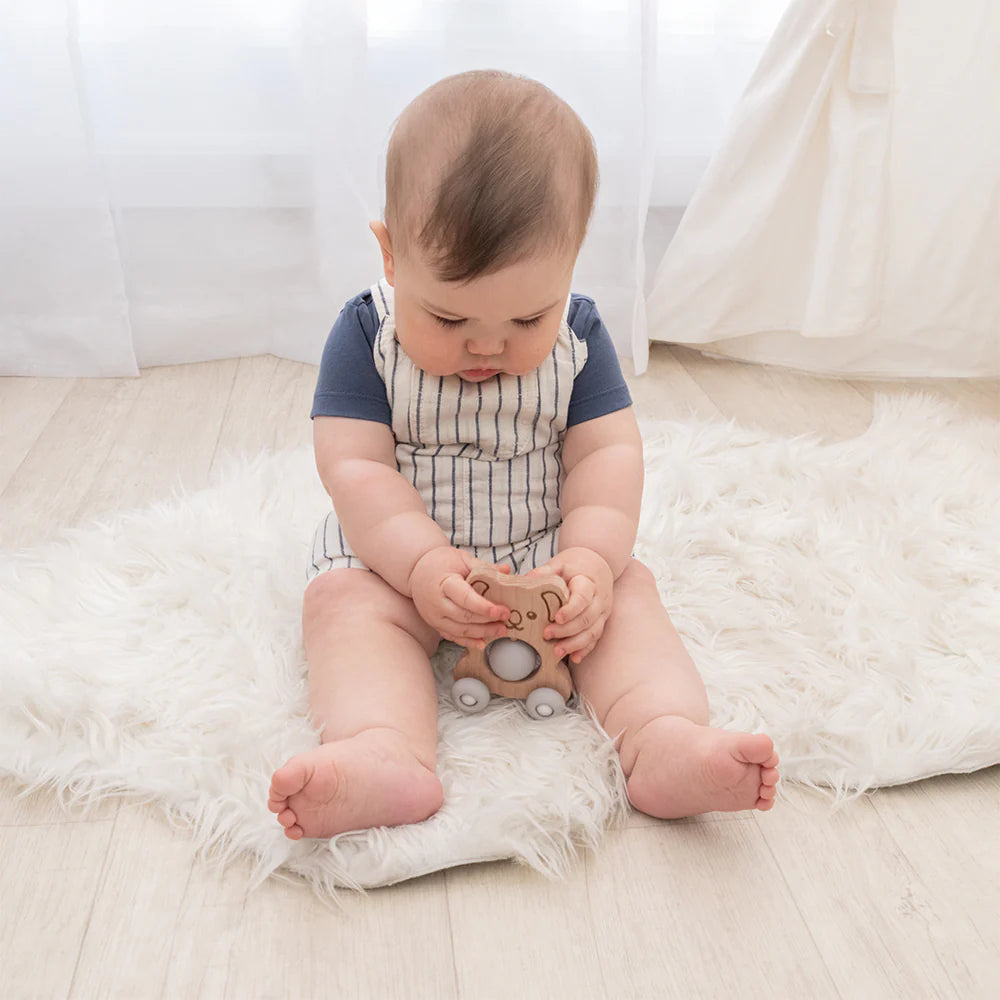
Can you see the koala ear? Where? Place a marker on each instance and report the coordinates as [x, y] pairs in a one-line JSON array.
[[480, 587], [553, 602]]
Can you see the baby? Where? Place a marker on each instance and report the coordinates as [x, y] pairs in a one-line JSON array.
[[471, 409]]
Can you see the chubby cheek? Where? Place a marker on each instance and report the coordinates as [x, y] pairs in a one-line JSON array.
[[527, 350], [427, 345]]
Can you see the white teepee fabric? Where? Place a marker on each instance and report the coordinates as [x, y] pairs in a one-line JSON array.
[[850, 221]]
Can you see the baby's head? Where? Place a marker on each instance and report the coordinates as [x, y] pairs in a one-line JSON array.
[[490, 183]]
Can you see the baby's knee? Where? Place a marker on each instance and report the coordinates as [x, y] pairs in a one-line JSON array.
[[360, 599], [332, 593]]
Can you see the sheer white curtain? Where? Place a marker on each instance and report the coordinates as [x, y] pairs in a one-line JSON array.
[[193, 179]]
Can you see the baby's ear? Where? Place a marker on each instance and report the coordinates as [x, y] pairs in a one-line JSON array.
[[378, 227], [553, 602]]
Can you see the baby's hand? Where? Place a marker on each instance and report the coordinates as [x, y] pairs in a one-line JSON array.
[[447, 603], [580, 621]]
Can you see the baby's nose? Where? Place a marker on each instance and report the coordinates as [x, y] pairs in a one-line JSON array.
[[486, 347]]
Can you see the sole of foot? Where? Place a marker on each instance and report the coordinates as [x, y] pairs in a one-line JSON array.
[[685, 769], [369, 780]]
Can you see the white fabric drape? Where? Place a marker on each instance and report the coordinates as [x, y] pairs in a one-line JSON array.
[[849, 222], [193, 179], [63, 308]]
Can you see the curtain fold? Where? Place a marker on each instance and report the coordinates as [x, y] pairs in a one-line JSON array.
[[194, 180], [849, 222], [63, 306]]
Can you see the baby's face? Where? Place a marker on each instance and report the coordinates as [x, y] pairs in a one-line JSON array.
[[502, 322]]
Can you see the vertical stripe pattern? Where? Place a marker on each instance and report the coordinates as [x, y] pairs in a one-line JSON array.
[[484, 456]]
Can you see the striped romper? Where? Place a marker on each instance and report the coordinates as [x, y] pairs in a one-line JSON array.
[[485, 457]]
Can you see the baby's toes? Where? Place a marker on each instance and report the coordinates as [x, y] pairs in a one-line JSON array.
[[755, 748], [289, 821], [286, 781], [768, 788], [276, 802]]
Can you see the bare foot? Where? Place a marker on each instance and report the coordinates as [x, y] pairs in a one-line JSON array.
[[371, 779], [682, 769]]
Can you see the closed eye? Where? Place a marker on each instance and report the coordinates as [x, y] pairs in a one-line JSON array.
[[449, 323], [452, 323]]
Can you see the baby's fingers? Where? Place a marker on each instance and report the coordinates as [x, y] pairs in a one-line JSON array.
[[467, 605], [579, 606], [471, 635], [574, 607], [576, 647]]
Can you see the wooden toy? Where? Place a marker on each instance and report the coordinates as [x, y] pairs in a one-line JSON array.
[[523, 664]]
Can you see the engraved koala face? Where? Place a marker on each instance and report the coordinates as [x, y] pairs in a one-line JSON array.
[[546, 604]]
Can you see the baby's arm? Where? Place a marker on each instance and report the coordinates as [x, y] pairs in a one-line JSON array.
[[380, 513], [600, 507], [603, 490], [387, 525]]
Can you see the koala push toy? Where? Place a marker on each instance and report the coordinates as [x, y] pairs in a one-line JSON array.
[[521, 665]]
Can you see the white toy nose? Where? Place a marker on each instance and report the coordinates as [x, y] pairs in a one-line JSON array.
[[512, 659]]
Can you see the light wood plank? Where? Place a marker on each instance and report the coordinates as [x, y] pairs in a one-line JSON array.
[[778, 400], [26, 406], [977, 398], [700, 910], [391, 944], [668, 391], [43, 807], [509, 924], [135, 912], [209, 922], [268, 409], [48, 878], [167, 442], [45, 491], [886, 949], [947, 829], [280, 941]]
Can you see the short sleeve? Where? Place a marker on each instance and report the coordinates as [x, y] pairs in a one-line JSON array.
[[349, 384], [600, 387]]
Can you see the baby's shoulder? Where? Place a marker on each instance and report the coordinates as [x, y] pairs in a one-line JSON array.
[[359, 317], [583, 318]]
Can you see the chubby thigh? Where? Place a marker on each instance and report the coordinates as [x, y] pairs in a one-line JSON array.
[[368, 651]]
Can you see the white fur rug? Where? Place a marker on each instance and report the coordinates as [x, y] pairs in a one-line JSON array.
[[844, 598]]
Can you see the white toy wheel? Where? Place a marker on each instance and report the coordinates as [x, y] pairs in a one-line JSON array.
[[470, 695], [544, 703]]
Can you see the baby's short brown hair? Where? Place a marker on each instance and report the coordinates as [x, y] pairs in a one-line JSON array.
[[485, 169]]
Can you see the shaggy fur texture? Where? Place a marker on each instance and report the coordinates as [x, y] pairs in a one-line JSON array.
[[843, 598]]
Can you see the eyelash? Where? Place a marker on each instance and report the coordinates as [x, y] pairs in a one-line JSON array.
[[450, 324]]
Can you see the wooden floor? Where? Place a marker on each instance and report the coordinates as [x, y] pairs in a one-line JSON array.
[[896, 895]]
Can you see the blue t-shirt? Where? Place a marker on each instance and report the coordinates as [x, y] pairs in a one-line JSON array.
[[349, 384]]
